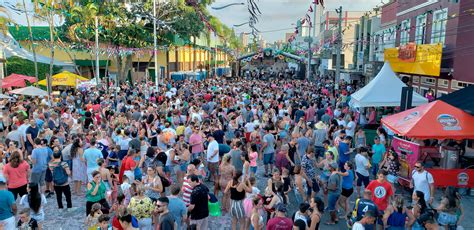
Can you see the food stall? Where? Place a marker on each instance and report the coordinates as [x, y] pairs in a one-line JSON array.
[[436, 120]]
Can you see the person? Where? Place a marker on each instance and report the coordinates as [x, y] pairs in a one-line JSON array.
[[79, 169], [396, 215], [308, 165], [344, 150], [126, 188], [187, 189], [256, 220], [176, 206], [392, 165], [361, 206], [369, 218], [419, 209], [378, 152], [96, 193], [301, 187], [381, 190], [126, 222], [347, 188], [248, 202], [91, 155], [319, 135], [280, 221], [16, 174], [104, 222], [360, 138], [212, 158], [166, 220], [334, 191], [301, 217], [198, 205], [362, 164], [450, 210], [422, 180], [31, 133], [35, 201], [317, 206], [235, 154], [39, 157], [237, 188], [152, 183], [25, 221], [196, 143], [253, 156], [61, 172], [268, 151], [7, 207], [142, 208], [128, 166], [92, 220]]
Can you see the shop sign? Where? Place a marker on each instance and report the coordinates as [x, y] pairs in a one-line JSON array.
[[417, 60], [449, 122], [407, 150], [407, 53], [460, 178]]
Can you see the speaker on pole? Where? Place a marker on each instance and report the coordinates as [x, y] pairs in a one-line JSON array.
[[407, 98]]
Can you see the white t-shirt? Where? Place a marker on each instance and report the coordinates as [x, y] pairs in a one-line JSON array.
[[361, 164], [422, 181], [211, 148], [358, 226], [350, 131]]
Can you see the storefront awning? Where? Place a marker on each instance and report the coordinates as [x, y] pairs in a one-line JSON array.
[[85, 63]]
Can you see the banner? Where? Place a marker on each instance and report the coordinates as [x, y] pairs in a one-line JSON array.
[[453, 177], [419, 59], [406, 150]]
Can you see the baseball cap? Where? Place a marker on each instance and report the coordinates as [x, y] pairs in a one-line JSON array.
[[333, 165], [281, 207]]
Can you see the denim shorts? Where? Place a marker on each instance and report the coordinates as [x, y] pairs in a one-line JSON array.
[[268, 158], [332, 200], [253, 169]]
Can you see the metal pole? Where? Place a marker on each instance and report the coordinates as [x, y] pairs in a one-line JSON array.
[[309, 55], [97, 51], [2, 73], [155, 50], [338, 49]]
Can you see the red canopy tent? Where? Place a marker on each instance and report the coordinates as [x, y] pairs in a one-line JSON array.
[[16, 80], [435, 120]]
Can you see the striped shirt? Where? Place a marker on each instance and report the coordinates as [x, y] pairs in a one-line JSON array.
[[187, 190]]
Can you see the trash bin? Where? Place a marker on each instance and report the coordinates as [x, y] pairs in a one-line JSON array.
[[449, 157]]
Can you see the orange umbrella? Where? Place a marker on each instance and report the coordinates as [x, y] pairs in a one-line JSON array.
[[16, 80], [435, 120]]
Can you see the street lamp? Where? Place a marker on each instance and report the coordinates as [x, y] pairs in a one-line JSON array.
[[225, 6]]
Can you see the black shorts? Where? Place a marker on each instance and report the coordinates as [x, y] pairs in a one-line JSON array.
[[49, 176], [347, 192], [362, 179]]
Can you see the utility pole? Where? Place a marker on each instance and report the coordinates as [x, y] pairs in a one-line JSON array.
[[338, 49], [155, 49], [97, 51]]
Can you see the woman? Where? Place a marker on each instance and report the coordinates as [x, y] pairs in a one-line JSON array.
[[253, 159], [181, 160], [383, 136], [128, 166], [392, 165], [396, 215], [273, 196], [16, 174], [326, 172], [237, 188], [35, 201], [248, 202], [419, 207], [317, 205], [246, 166], [142, 208], [360, 139], [96, 193], [152, 184], [79, 169], [450, 210], [347, 188], [226, 170], [256, 220], [105, 174], [301, 187]]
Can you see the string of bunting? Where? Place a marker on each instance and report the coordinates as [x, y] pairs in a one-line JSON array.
[[306, 18]]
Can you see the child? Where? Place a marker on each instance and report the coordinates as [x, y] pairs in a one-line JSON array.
[[92, 220], [286, 181], [25, 222], [126, 189], [104, 222], [113, 175], [113, 156]]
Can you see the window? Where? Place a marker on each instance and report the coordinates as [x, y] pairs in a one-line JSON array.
[[405, 32], [428, 81], [420, 29], [416, 79], [438, 33], [443, 83]]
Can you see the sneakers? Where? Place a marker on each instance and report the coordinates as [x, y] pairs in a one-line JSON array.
[[71, 209], [49, 194]]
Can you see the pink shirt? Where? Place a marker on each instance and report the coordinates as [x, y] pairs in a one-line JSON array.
[[18, 176], [253, 159], [196, 138]]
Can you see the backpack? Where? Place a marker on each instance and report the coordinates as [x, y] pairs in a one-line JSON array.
[[60, 176], [353, 217]]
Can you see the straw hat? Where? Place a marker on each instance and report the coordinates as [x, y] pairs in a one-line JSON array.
[[320, 125]]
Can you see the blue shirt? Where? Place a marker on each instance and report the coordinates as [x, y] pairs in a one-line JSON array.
[[378, 151], [41, 156], [6, 203], [177, 208], [91, 155], [342, 150], [303, 143], [348, 181]]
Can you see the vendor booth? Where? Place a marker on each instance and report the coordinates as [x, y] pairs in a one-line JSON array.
[[30, 91], [17, 80], [436, 120]]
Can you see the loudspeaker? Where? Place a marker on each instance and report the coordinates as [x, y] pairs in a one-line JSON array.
[[407, 98]]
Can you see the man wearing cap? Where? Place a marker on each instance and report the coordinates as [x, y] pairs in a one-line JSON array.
[[212, 157], [280, 221], [7, 207], [319, 135]]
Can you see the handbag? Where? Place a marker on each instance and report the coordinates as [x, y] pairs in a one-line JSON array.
[[164, 181]]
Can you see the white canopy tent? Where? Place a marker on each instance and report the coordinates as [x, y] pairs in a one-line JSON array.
[[384, 90], [30, 91]]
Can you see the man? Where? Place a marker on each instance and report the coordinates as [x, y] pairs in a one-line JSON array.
[[334, 191], [235, 158], [280, 221], [268, 151], [310, 113], [187, 188], [302, 144], [7, 207], [195, 141], [362, 169], [333, 149], [422, 180], [369, 218], [378, 152], [166, 220], [39, 158], [344, 150], [91, 155], [319, 135], [363, 205], [60, 171], [198, 206], [212, 157], [31, 133], [308, 165], [176, 206], [381, 190], [350, 127], [15, 135]]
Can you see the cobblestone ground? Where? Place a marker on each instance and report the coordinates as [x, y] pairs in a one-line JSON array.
[[75, 220]]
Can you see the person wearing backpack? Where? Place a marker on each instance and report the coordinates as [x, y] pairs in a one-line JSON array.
[[61, 173], [422, 180]]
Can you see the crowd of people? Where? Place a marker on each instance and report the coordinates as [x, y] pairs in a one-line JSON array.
[[248, 148]]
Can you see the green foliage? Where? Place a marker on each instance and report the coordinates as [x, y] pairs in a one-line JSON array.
[[26, 67]]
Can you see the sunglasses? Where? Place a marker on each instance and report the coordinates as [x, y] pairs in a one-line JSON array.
[[417, 167]]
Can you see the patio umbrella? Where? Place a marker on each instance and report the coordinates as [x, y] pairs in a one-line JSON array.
[[17, 80], [64, 79], [3, 96], [30, 91]]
